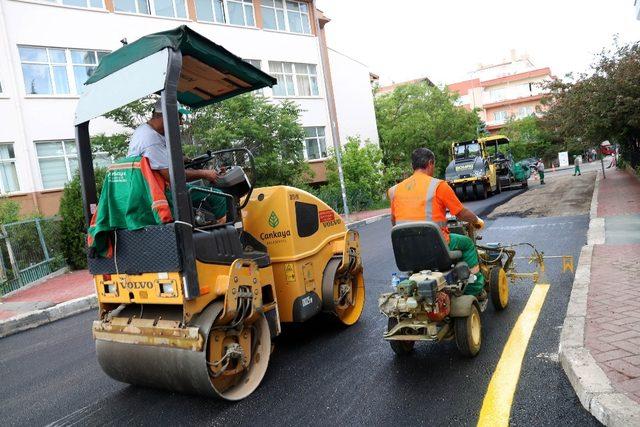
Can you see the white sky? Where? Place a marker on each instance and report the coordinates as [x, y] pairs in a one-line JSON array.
[[444, 40]]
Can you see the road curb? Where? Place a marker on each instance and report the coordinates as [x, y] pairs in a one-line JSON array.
[[367, 221], [591, 384], [36, 318]]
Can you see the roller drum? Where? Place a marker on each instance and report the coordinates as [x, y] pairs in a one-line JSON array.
[[182, 370]]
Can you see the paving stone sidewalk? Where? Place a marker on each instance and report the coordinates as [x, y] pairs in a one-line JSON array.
[[48, 293], [612, 332]]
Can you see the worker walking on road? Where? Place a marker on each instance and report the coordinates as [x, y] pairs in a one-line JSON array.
[[540, 169], [577, 161], [421, 197]]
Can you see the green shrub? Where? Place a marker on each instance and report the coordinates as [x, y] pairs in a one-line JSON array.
[[362, 168], [9, 211], [73, 227]]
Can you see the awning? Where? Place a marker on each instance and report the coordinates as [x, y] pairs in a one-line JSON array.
[[210, 73]]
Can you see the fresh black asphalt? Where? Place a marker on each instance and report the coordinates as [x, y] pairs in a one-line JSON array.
[[321, 373]]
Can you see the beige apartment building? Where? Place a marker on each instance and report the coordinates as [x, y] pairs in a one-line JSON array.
[[508, 90]]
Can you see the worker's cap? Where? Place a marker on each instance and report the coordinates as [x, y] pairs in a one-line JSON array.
[[157, 108]]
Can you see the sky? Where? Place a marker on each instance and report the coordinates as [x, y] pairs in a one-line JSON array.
[[445, 40]]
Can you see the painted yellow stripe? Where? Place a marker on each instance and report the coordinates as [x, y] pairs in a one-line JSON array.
[[496, 406]]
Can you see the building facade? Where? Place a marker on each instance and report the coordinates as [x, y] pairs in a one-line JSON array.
[[49, 48], [509, 90]]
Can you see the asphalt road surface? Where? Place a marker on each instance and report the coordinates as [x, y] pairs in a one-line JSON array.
[[321, 373]]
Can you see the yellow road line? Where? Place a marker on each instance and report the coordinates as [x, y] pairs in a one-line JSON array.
[[496, 406]]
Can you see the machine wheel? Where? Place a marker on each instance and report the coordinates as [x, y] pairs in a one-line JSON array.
[[498, 187], [342, 294], [470, 190], [401, 348], [481, 191], [459, 192], [499, 288], [468, 332], [240, 382]]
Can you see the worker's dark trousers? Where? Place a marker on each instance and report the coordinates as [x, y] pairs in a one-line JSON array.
[[576, 171], [541, 173]]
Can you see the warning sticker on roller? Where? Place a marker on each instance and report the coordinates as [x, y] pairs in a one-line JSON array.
[[290, 272], [327, 215]]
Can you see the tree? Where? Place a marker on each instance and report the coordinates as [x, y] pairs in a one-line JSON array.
[[271, 131], [601, 105], [129, 116], [420, 115], [362, 169], [529, 139]]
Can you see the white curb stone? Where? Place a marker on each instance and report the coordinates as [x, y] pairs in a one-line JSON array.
[[33, 319]]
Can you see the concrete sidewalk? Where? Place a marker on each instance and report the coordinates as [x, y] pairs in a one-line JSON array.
[[600, 342]]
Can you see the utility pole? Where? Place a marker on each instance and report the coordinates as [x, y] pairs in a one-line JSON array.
[[343, 188]]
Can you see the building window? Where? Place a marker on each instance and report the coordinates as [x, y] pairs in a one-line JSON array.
[[54, 71], [132, 6], [281, 15], [525, 111], [8, 175], [58, 162], [210, 10], [315, 144], [500, 116], [235, 12], [258, 64], [294, 79], [167, 8], [96, 4]]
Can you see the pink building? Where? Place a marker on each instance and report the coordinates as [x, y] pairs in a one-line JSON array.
[[511, 89]]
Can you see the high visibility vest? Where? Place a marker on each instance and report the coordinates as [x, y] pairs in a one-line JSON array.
[[414, 199]]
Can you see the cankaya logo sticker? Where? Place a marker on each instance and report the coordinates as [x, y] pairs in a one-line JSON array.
[[273, 220], [275, 235]]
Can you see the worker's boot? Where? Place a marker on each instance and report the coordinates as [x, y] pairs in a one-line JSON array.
[[477, 287]]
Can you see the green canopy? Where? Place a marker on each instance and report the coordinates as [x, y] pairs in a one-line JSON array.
[[210, 73]]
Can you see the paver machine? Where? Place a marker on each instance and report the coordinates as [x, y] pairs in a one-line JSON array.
[[483, 167], [191, 305], [472, 172]]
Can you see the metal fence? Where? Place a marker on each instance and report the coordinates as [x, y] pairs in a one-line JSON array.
[[29, 250]]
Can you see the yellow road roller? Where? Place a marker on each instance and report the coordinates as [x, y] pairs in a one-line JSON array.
[[191, 304]]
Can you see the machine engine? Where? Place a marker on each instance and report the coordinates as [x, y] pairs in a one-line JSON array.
[[422, 292]]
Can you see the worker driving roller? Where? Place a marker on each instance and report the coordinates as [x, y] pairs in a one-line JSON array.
[[421, 197], [148, 140]]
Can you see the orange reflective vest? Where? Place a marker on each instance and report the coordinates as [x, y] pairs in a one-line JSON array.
[[423, 198]]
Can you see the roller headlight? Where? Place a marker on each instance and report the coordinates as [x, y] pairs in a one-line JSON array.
[[167, 289], [110, 288]]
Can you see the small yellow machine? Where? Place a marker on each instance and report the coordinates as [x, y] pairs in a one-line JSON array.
[[192, 305]]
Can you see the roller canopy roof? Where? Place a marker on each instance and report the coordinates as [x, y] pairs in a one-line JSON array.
[[210, 73]]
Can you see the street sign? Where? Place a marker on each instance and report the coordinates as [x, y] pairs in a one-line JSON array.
[[563, 158]]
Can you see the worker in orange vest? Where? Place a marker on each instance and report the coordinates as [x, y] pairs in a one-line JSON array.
[[421, 197]]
